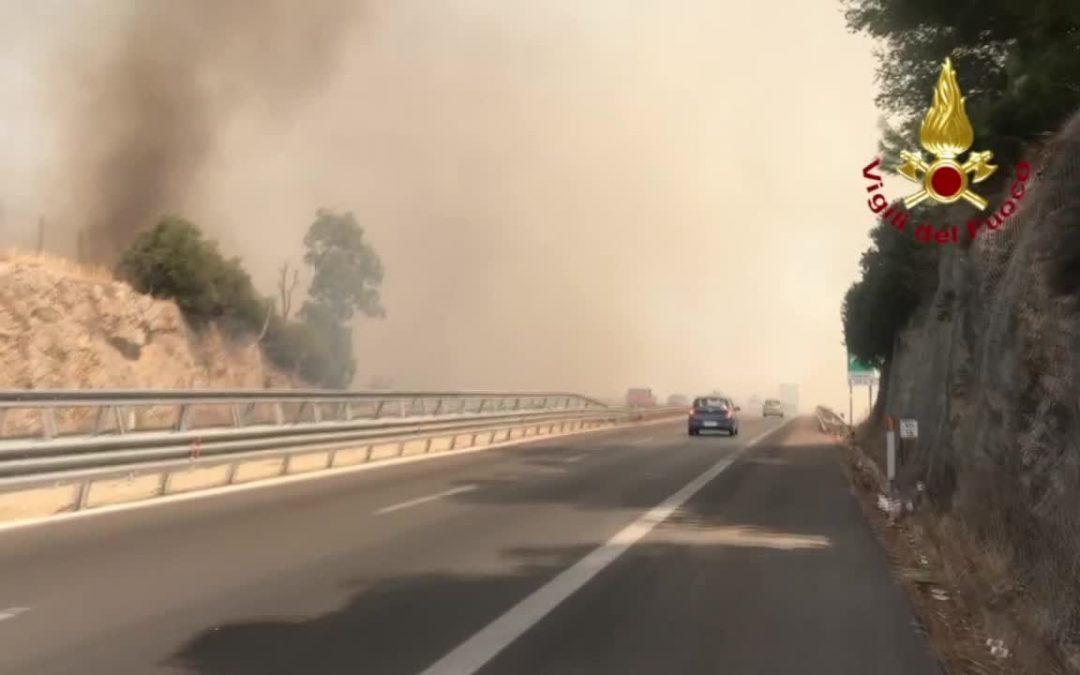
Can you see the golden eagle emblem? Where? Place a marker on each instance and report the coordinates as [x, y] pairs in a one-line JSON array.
[[946, 134]]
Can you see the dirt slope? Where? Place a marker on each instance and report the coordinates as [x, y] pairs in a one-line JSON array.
[[66, 326]]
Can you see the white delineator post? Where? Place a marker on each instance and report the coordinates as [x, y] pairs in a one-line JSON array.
[[890, 451]]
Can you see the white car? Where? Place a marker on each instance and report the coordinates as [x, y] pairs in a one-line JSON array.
[[772, 407]]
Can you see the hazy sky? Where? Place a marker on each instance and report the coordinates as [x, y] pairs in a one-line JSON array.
[[568, 194]]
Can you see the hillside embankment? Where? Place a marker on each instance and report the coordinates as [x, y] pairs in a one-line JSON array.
[[990, 367], [68, 326]]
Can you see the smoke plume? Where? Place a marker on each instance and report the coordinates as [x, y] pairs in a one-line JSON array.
[[145, 116], [566, 195]]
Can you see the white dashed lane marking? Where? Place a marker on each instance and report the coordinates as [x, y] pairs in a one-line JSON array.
[[424, 500], [12, 612]]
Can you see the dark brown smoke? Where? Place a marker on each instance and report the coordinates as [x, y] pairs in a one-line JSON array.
[[145, 116]]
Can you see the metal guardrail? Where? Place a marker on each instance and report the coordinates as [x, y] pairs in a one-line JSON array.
[[72, 445], [53, 413], [830, 422]]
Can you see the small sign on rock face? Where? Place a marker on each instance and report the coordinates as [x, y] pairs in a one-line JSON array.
[[909, 428]]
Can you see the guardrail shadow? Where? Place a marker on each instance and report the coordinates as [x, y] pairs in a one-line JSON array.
[[770, 567]]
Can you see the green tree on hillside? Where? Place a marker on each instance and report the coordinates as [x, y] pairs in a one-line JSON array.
[[347, 272], [1018, 61], [1019, 68], [897, 273], [173, 260], [346, 278]]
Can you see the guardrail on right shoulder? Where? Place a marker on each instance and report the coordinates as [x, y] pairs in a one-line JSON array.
[[70, 450], [831, 423]]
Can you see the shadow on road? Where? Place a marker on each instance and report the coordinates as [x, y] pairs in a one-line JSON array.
[[768, 569]]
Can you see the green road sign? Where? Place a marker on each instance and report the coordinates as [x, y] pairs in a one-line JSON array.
[[857, 367]]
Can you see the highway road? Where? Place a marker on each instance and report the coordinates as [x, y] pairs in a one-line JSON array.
[[632, 551]]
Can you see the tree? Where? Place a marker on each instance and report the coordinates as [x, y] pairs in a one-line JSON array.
[[346, 276], [331, 362], [897, 273], [1019, 62], [286, 287], [173, 260], [1019, 68], [347, 272]]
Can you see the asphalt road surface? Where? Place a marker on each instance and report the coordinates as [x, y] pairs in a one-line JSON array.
[[623, 552]]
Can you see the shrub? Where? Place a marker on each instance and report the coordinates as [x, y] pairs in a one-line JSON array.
[[173, 260]]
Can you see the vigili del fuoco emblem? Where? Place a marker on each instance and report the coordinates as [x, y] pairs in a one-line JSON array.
[[946, 134]]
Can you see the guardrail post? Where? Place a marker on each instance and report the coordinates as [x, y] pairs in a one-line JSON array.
[[438, 407], [483, 402], [183, 418], [346, 411], [118, 414], [279, 414], [316, 412], [82, 495], [517, 403], [99, 420], [48, 424], [235, 410], [379, 407], [401, 408], [461, 410], [300, 412]]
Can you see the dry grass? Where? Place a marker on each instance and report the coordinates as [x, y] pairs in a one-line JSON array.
[[1024, 563], [988, 596], [56, 264]]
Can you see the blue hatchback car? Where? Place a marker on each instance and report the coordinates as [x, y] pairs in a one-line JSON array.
[[713, 413]]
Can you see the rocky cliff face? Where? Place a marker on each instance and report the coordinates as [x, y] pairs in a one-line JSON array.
[[63, 326], [990, 366]]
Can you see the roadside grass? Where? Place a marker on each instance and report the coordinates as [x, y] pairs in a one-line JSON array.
[[57, 264], [966, 586]]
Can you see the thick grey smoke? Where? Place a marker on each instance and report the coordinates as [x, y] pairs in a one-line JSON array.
[[565, 194], [143, 118]]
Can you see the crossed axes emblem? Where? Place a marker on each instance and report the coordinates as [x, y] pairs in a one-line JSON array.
[[946, 180]]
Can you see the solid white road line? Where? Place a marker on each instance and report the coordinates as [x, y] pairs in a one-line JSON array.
[[12, 612], [475, 652], [575, 458], [424, 500]]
